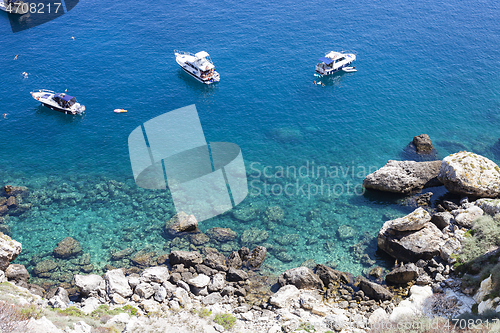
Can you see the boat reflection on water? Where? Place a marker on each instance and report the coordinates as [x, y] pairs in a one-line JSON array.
[[332, 80]]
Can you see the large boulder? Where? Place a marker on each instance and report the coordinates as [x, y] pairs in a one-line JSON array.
[[489, 206], [402, 274], [284, 296], [155, 274], [181, 223], [464, 217], [403, 176], [117, 283], [15, 272], [301, 277], [89, 284], [416, 220], [68, 247], [374, 290], [9, 250], [186, 258], [329, 275], [257, 256], [442, 219], [409, 246], [470, 174]]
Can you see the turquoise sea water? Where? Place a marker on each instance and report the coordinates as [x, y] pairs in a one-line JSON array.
[[428, 67]]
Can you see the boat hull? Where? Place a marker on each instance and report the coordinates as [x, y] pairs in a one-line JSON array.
[[45, 97], [208, 81]]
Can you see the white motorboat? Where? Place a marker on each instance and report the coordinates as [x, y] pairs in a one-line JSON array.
[[58, 101], [334, 61], [14, 6], [349, 69], [198, 65]]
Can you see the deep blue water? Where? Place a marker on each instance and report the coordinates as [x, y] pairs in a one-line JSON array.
[[428, 67]]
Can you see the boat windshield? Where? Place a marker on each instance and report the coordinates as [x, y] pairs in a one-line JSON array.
[[64, 100]]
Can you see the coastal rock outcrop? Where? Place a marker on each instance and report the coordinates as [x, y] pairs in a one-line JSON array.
[[423, 143], [117, 283], [402, 274], [470, 174], [9, 250], [404, 176], [301, 277], [410, 245], [374, 290], [186, 258]]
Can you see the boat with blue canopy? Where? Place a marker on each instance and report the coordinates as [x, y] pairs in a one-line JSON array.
[[334, 61], [61, 102]]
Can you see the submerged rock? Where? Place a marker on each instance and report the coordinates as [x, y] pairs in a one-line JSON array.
[[253, 236], [9, 250], [181, 223], [470, 174], [68, 247], [44, 267], [275, 214], [404, 176], [222, 234]]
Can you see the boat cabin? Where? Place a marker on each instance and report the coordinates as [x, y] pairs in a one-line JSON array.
[[65, 101]]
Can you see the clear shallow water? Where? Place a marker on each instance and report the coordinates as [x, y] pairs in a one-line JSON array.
[[422, 68]]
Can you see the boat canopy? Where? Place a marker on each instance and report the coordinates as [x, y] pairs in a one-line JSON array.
[[326, 60], [201, 54], [64, 97]]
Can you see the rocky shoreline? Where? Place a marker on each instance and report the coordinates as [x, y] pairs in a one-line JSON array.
[[192, 290]]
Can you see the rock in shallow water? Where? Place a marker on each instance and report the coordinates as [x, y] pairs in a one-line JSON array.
[[68, 247], [404, 176]]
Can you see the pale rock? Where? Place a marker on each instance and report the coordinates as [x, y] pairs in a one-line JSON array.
[[470, 174], [413, 305], [155, 274], [182, 297], [199, 281], [160, 293], [42, 325], [116, 282], [451, 247], [9, 250], [217, 283], [150, 305], [464, 217], [489, 206], [81, 327], [133, 281], [144, 290], [90, 305], [414, 221], [57, 303], [248, 316], [336, 322], [174, 305], [378, 318], [89, 284], [211, 299], [275, 329], [284, 296], [485, 305], [484, 289], [117, 299], [122, 318]]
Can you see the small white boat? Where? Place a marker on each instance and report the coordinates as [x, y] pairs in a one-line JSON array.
[[349, 69], [14, 6], [334, 61], [58, 101], [198, 65]]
